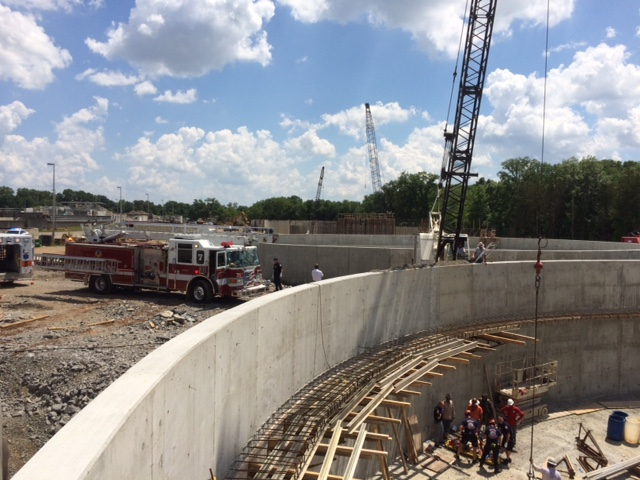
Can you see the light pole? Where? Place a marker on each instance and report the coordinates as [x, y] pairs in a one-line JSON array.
[[53, 205], [148, 211], [120, 206]]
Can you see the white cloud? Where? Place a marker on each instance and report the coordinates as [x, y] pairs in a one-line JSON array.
[[435, 26], [611, 32], [161, 121], [190, 37], [592, 109], [145, 88], [27, 55], [78, 137], [108, 79], [225, 165], [352, 122], [311, 144], [181, 97], [11, 116]]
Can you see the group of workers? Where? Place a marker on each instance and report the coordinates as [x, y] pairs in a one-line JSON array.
[[479, 255], [482, 429], [278, 270]]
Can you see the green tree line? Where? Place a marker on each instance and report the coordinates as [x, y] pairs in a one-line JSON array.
[[587, 199]]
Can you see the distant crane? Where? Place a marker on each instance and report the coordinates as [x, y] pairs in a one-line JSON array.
[[459, 143], [372, 146], [320, 185]]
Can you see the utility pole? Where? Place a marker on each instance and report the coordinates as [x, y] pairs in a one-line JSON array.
[[120, 206], [148, 211], [53, 205]]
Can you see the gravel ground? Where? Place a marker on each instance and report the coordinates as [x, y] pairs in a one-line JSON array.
[[61, 345]]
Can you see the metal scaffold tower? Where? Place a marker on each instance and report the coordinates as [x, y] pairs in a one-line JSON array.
[[372, 147]]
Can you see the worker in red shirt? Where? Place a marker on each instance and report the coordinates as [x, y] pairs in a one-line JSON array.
[[513, 415]]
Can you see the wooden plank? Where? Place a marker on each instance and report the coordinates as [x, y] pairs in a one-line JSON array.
[[519, 336], [398, 443], [355, 455], [415, 375], [22, 322], [305, 467], [374, 437], [106, 322], [377, 418], [471, 355], [501, 339], [486, 347], [459, 360], [363, 414], [345, 451], [313, 475], [353, 403], [407, 393], [390, 403], [393, 376], [330, 453], [408, 432], [446, 367], [436, 465], [612, 470]]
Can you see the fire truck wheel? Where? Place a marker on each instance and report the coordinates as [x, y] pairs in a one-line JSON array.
[[201, 292], [101, 284]]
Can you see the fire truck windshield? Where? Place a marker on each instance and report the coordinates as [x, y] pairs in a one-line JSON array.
[[243, 258]]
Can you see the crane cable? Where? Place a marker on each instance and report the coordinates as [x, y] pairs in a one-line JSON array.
[[538, 266], [455, 70], [453, 86]]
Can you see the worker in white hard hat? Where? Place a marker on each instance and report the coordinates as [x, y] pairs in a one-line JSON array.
[[549, 472]]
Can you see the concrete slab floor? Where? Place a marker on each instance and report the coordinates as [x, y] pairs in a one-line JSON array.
[[553, 437]]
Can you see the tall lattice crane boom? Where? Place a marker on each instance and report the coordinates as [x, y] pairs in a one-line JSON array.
[[459, 143], [372, 147], [320, 185]]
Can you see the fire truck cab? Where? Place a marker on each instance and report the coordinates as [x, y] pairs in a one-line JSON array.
[[186, 263], [16, 256]]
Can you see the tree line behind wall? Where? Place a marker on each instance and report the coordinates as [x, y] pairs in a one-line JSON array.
[[586, 199]]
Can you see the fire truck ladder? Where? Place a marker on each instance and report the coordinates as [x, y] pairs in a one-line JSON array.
[[459, 143], [76, 264]]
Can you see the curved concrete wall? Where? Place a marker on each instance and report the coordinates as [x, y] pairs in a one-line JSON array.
[[194, 402]]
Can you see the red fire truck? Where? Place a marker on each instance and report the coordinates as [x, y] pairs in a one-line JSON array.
[[186, 263]]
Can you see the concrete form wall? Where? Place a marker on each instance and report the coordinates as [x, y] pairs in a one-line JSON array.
[[193, 403], [340, 255]]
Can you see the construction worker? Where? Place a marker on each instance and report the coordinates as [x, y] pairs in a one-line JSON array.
[[507, 437], [476, 410], [492, 444], [487, 409], [513, 415], [469, 430], [448, 414], [548, 473], [438, 411]]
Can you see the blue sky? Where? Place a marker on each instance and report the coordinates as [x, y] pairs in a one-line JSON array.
[[246, 100]]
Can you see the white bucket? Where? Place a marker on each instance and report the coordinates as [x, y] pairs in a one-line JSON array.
[[632, 430]]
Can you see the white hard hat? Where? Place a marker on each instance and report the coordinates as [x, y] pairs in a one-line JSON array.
[[510, 402]]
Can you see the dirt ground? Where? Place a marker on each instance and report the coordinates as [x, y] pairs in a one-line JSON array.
[[61, 345]]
